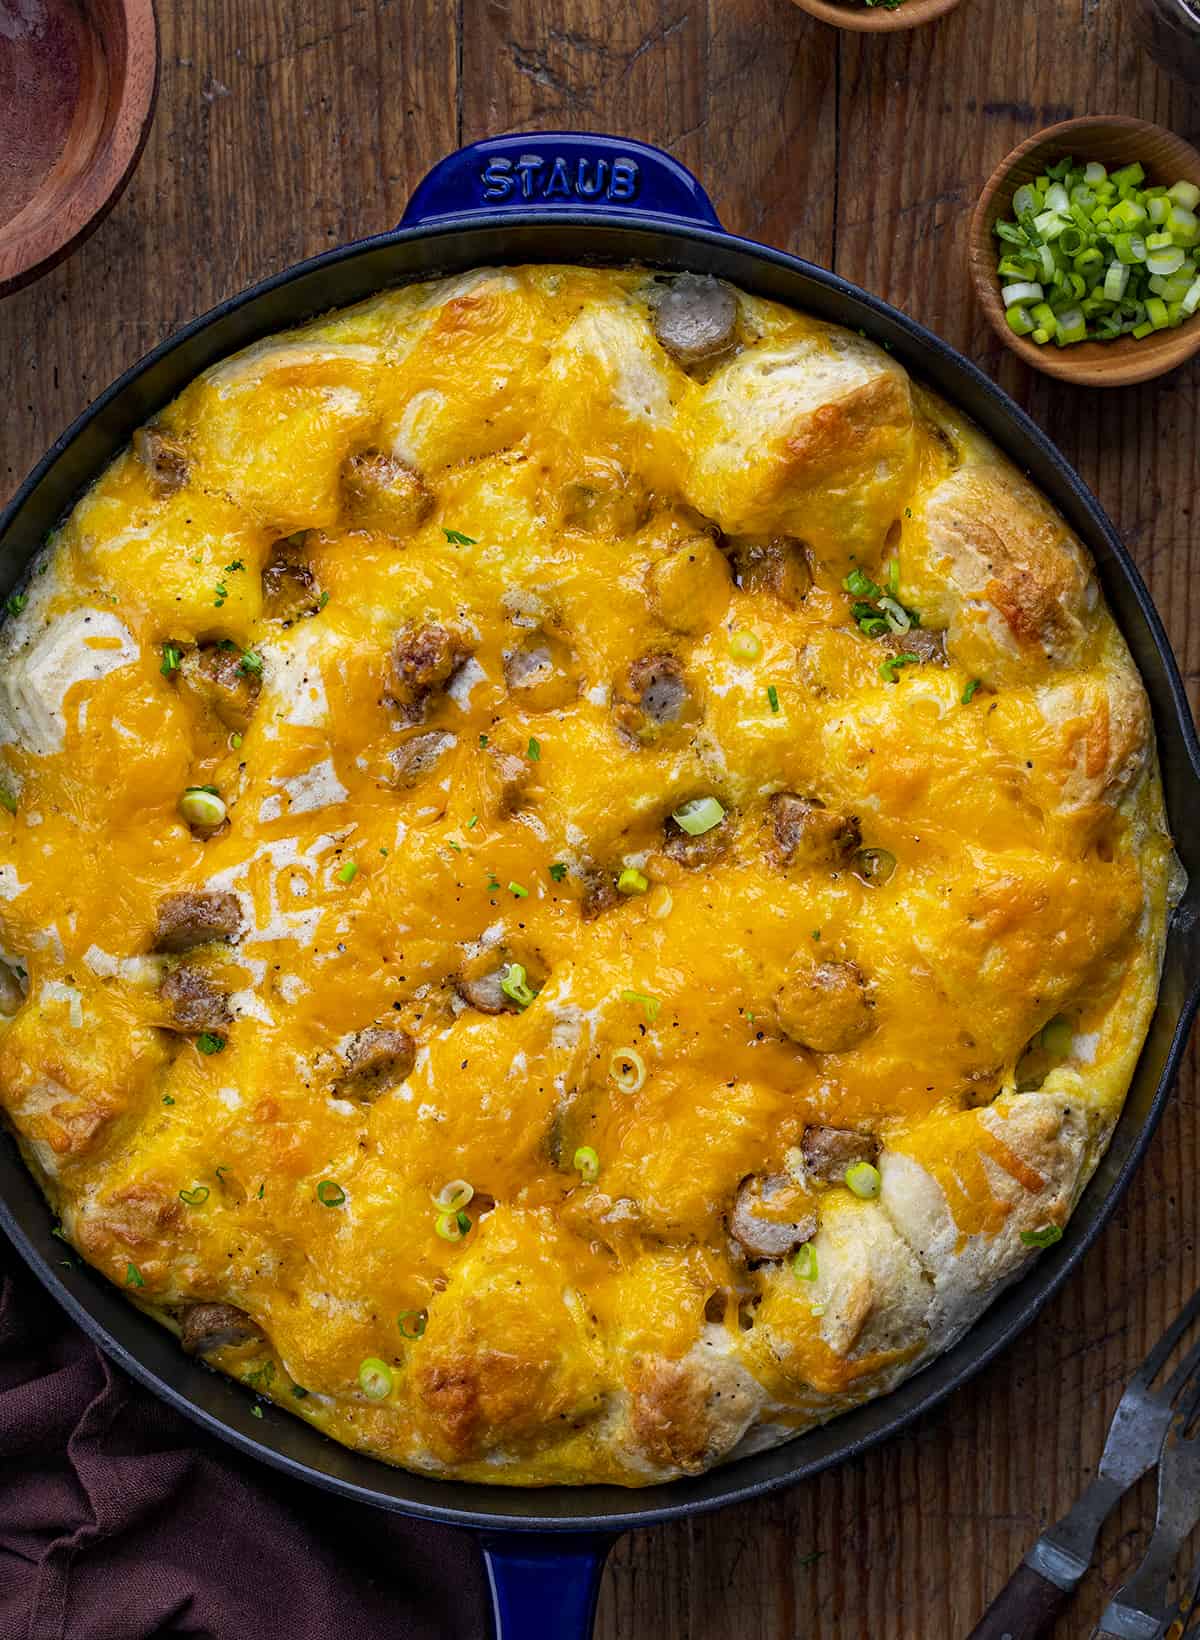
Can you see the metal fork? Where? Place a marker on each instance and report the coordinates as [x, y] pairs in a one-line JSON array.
[[1054, 1566], [1139, 1610]]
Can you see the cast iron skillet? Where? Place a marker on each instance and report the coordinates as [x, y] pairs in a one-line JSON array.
[[572, 198]]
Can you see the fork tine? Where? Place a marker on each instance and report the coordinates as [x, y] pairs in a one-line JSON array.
[[1183, 1372], [1157, 1357]]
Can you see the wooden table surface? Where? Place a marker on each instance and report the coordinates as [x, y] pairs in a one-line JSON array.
[[285, 126]]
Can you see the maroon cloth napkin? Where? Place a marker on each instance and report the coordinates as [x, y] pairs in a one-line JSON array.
[[120, 1520]]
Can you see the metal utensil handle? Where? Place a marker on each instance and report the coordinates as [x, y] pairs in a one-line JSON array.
[[545, 1585], [559, 171], [1025, 1608]]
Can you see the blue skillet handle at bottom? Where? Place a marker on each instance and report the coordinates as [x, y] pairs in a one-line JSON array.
[[545, 1587], [559, 171]]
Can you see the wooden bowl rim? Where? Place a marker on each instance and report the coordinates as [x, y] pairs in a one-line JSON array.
[[863, 19], [1087, 364], [28, 252]]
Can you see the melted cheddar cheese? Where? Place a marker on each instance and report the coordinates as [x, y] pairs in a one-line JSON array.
[[447, 598]]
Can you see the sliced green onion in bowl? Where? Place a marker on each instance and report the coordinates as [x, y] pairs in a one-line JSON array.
[[627, 1069], [375, 1378], [864, 1180], [587, 1164], [699, 815]]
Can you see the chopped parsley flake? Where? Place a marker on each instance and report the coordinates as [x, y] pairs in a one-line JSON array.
[[133, 1276], [773, 697], [968, 693], [534, 750], [251, 662], [210, 1042], [16, 602], [558, 871], [483, 740], [171, 656]]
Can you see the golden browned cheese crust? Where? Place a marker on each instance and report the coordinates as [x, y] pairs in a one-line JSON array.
[[455, 599]]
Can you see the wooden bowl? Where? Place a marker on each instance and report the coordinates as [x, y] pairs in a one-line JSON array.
[[1112, 140], [78, 80], [864, 19]]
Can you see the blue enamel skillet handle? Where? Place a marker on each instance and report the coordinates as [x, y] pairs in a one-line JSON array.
[[559, 171], [545, 1585]]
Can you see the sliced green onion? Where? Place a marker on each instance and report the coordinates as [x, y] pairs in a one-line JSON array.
[[172, 654], [804, 1265], [699, 815], [968, 694], [454, 1196], [534, 750], [515, 986], [375, 1379], [1046, 1237], [133, 1276], [456, 538], [773, 697], [1184, 193], [744, 646], [875, 866], [888, 671], [557, 871], [210, 1042], [632, 881], [648, 1004], [202, 808], [587, 1164], [864, 1180], [1026, 290], [330, 1193], [518, 892], [348, 872], [417, 1329], [452, 1226], [196, 1197], [627, 1069]]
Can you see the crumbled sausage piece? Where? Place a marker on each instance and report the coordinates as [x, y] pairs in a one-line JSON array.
[[825, 1006], [540, 672], [829, 1151], [376, 1060], [757, 1221], [695, 320], [425, 657], [12, 992], [655, 697], [206, 1327], [290, 589], [697, 852], [805, 833], [194, 1001], [163, 458], [218, 678], [384, 493], [778, 565], [418, 756], [600, 894], [929, 646], [478, 981], [194, 918]]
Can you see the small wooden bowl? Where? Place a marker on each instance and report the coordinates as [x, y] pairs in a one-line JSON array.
[[1112, 140], [77, 90], [864, 19]]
